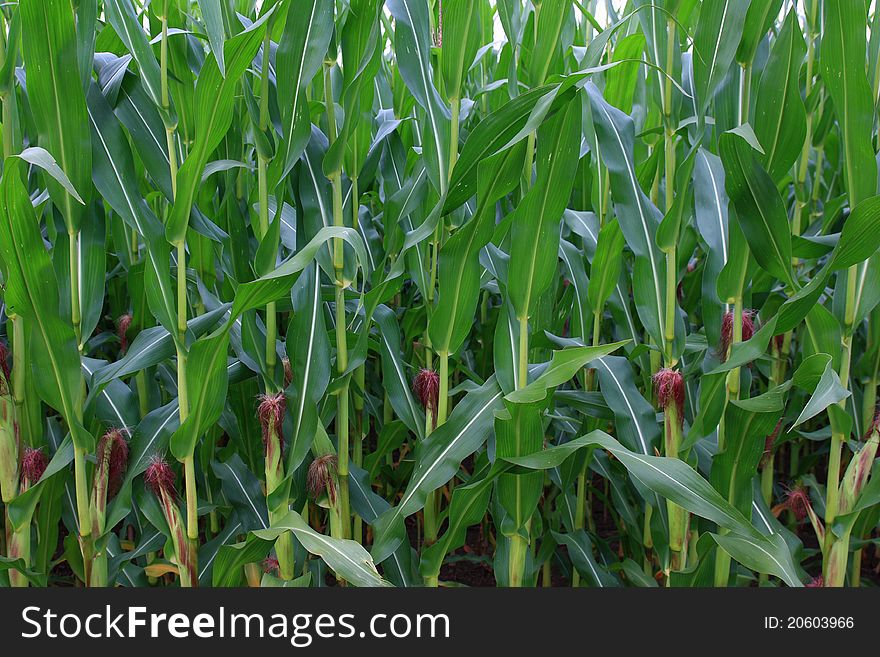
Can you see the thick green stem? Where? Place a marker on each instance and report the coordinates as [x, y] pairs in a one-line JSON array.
[[82, 510], [7, 97], [263, 194], [678, 517], [519, 544], [192, 505], [19, 369], [361, 418], [835, 555], [342, 408], [443, 396], [274, 470], [722, 558], [341, 339], [579, 513], [669, 321]]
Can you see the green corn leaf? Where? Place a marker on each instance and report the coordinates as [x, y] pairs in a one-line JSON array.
[[397, 379], [715, 43], [462, 38], [638, 217], [33, 293], [412, 41], [347, 559], [843, 71], [676, 481], [121, 15], [459, 258], [780, 116], [214, 98], [563, 365], [438, 459], [57, 100], [304, 42], [606, 264], [309, 352], [759, 208], [535, 226]]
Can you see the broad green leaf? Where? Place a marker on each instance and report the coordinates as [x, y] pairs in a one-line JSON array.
[[759, 208], [348, 559], [519, 432], [55, 95], [360, 62], [548, 32], [492, 135], [828, 391], [780, 116], [710, 198], [396, 379], [638, 217], [412, 42], [459, 284], [466, 508], [461, 36], [32, 292], [535, 225], [438, 458], [759, 17], [121, 15], [207, 382], [215, 103], [309, 352], [212, 14], [43, 159], [620, 82], [842, 63], [606, 264], [564, 364], [303, 44], [715, 42], [680, 484], [634, 417], [580, 551], [734, 468], [242, 489], [859, 239]]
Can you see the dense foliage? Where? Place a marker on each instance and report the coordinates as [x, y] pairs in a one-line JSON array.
[[449, 292]]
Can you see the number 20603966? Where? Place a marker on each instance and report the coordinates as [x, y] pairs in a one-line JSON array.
[[809, 622]]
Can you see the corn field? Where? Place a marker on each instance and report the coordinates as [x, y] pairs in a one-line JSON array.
[[439, 293]]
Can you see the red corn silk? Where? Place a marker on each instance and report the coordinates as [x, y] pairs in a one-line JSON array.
[[669, 388], [769, 443], [122, 326], [271, 415], [4, 367], [321, 476], [33, 464], [426, 386], [117, 459], [270, 565], [797, 500], [159, 477], [748, 330]]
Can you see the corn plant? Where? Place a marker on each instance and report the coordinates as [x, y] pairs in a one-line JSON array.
[[439, 292]]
